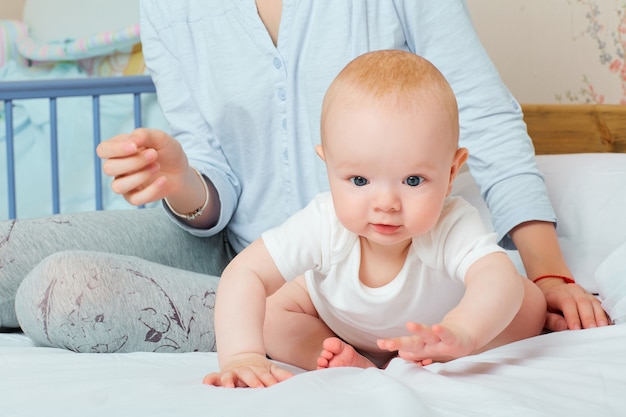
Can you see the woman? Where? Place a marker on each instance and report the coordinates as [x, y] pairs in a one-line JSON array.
[[241, 84]]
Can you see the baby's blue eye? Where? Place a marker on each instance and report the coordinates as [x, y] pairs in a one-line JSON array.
[[413, 181], [359, 181]]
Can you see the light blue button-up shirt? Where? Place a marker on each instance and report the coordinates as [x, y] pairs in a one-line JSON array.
[[247, 112]]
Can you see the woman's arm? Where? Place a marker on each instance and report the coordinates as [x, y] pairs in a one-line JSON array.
[[188, 126], [569, 305]]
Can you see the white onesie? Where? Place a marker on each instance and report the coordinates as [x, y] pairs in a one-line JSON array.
[[313, 242]]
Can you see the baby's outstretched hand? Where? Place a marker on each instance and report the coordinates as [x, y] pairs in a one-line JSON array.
[[248, 370], [428, 344]]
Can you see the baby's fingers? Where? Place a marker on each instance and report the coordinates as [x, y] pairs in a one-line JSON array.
[[252, 377], [405, 343], [444, 334], [240, 378], [416, 358], [421, 336], [220, 379], [279, 373], [426, 333]]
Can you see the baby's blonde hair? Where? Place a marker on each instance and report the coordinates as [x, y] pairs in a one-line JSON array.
[[392, 77]]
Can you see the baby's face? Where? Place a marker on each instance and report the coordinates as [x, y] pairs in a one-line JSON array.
[[390, 169]]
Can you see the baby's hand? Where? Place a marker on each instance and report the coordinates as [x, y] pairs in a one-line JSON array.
[[428, 344], [247, 370]]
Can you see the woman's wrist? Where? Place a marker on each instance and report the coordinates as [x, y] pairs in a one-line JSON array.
[[540, 251], [199, 209], [563, 278]]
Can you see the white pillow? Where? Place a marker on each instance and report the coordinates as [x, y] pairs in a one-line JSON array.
[[588, 192], [60, 20], [611, 280]]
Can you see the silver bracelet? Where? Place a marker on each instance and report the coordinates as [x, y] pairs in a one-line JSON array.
[[197, 212]]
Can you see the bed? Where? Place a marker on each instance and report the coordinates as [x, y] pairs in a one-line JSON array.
[[581, 151]]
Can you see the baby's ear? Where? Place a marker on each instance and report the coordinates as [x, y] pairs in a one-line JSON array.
[[319, 150], [459, 159]]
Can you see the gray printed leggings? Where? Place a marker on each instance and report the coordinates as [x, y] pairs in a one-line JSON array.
[[65, 282]]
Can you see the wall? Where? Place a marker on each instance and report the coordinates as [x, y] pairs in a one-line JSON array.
[[11, 9], [51, 20], [556, 51], [547, 51]]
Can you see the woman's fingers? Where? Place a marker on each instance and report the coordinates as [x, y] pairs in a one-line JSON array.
[[153, 191], [116, 147], [120, 166]]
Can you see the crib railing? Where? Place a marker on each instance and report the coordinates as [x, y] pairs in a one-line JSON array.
[[52, 90]]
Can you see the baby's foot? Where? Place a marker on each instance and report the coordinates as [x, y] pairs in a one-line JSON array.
[[337, 353]]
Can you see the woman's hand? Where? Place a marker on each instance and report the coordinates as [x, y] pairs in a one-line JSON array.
[[247, 370], [571, 307], [147, 165]]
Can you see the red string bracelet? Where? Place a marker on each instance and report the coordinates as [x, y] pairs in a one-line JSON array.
[[565, 279]]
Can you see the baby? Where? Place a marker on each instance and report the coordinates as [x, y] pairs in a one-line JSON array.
[[387, 263]]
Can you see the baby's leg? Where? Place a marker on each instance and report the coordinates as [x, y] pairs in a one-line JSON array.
[[100, 302], [295, 334], [529, 320], [293, 331]]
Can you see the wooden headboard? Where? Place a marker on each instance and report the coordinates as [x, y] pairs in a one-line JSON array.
[[576, 128]]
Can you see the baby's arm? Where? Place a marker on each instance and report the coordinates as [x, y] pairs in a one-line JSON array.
[[239, 315], [493, 296]]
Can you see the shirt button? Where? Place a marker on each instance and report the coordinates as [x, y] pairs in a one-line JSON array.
[[282, 94], [277, 63], [284, 124]]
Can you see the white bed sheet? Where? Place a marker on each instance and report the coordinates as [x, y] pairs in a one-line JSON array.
[[573, 373]]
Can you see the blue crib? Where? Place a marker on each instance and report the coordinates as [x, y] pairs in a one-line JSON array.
[[53, 90]]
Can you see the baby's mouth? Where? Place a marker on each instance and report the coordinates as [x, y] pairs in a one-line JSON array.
[[385, 229]]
